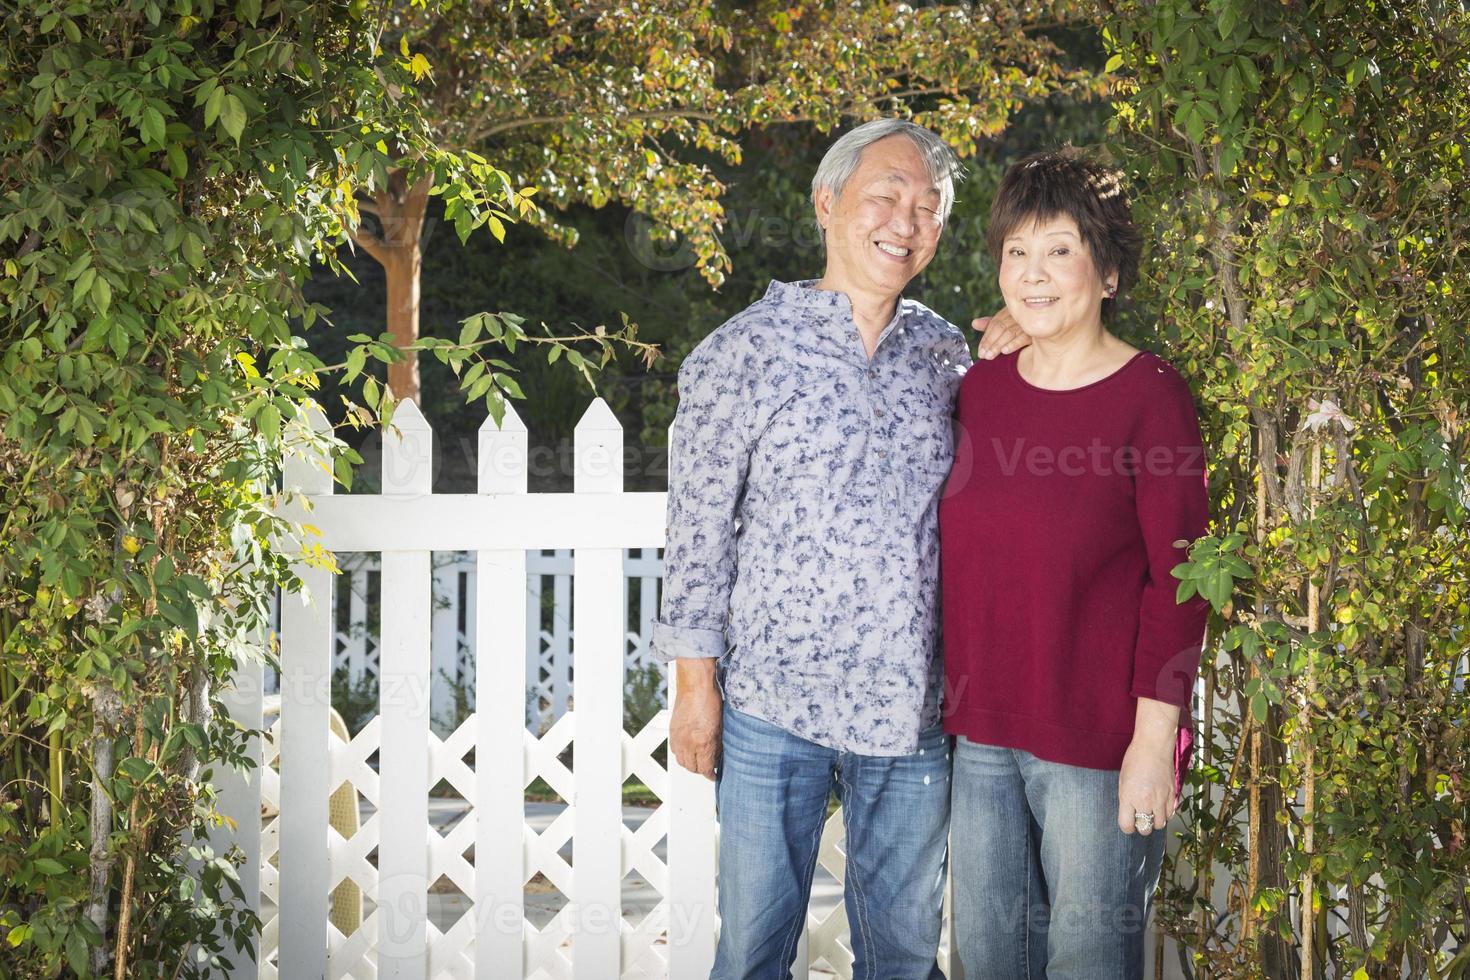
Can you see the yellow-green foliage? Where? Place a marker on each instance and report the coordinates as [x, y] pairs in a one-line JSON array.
[[1304, 188]]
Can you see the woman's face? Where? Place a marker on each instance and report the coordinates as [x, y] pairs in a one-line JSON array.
[[1048, 280]]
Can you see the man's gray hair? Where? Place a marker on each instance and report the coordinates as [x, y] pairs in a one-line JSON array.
[[843, 156]]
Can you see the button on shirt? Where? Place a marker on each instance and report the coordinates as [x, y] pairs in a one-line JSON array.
[[803, 544]]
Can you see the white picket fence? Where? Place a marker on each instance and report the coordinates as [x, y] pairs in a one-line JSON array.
[[452, 630], [295, 859]]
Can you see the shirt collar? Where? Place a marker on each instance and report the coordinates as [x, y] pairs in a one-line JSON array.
[[803, 294]]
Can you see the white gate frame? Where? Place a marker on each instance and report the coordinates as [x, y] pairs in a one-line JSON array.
[[500, 524]]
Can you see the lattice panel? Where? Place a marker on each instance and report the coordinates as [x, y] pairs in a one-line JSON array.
[[451, 954], [270, 845], [644, 951], [548, 950], [353, 956], [345, 642], [547, 681], [826, 934]]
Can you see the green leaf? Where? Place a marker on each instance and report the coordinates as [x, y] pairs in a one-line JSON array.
[[1114, 63], [193, 250], [83, 286], [178, 162], [180, 611], [153, 126], [1313, 123], [1230, 90], [76, 952], [195, 585], [212, 105], [1194, 124], [1230, 154], [268, 420], [342, 470], [102, 295], [50, 866], [139, 770], [232, 114], [1227, 21], [356, 358], [469, 331], [1259, 706], [117, 339]]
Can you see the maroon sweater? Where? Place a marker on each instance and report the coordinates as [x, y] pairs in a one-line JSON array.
[[1062, 519]]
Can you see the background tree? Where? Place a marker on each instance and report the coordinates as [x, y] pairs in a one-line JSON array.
[[635, 104], [1303, 178], [168, 176]]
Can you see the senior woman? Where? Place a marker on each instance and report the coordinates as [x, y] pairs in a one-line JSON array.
[[1078, 479]]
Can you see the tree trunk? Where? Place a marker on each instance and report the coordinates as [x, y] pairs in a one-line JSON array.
[[1266, 841], [400, 211], [196, 711], [106, 717]]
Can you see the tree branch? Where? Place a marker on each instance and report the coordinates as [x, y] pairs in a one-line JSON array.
[[371, 244]]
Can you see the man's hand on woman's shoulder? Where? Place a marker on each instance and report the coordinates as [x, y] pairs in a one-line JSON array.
[[999, 334]]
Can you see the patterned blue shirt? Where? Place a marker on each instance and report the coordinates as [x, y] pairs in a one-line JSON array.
[[803, 539]]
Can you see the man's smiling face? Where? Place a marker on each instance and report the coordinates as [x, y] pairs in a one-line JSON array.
[[884, 227]]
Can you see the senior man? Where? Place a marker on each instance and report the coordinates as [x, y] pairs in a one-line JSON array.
[[812, 439]]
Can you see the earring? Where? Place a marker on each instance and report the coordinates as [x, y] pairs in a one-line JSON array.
[[1112, 291]]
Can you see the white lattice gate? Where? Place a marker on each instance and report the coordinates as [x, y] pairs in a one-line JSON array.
[[492, 854]]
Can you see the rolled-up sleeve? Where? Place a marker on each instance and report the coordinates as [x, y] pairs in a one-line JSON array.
[[709, 457]]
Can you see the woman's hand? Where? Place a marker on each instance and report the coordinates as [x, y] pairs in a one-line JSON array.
[[999, 334], [1146, 781]]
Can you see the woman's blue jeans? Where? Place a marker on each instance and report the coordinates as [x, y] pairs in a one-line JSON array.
[[772, 793], [1046, 887]]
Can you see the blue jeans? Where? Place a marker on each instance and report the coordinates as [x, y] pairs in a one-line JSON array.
[[1046, 887], [771, 795]]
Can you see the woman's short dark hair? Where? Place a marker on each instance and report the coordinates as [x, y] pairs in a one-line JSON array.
[[1068, 182]]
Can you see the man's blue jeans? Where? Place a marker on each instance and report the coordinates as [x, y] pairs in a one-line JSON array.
[[1046, 887], [772, 796]]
